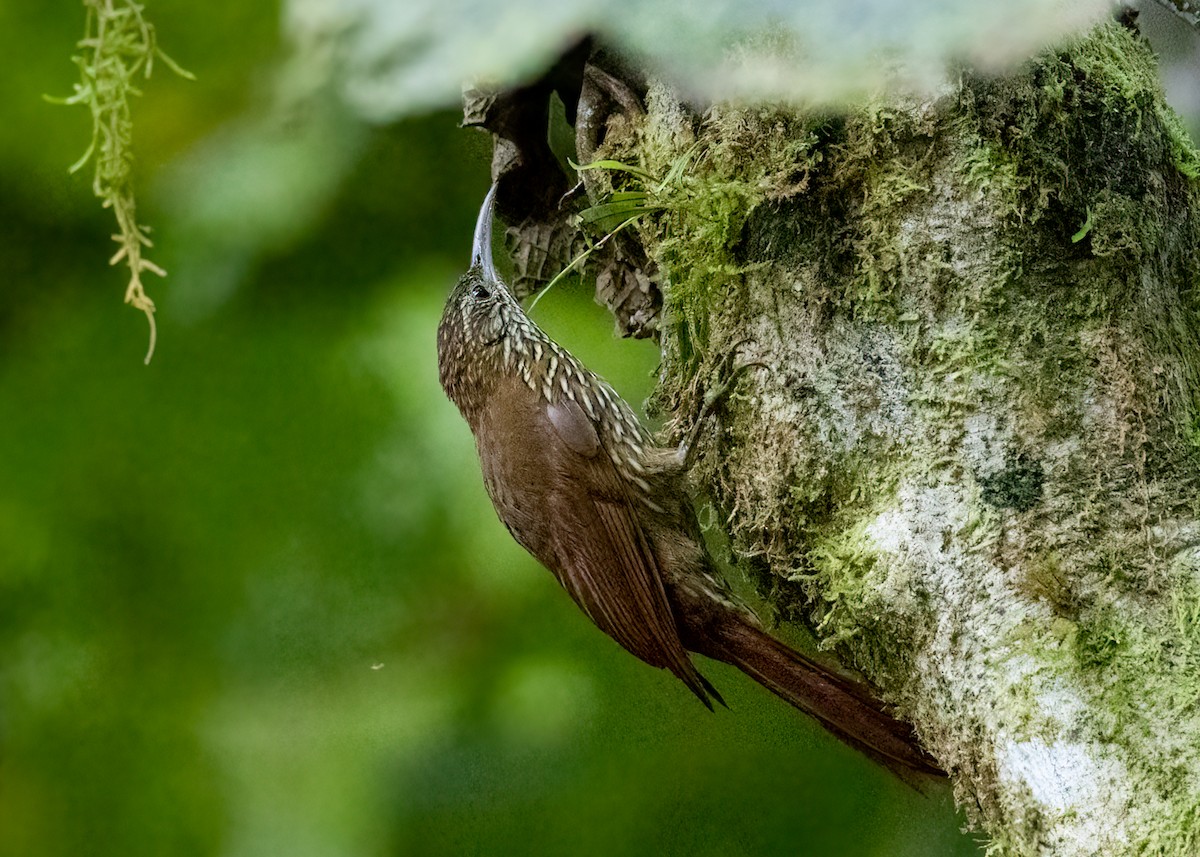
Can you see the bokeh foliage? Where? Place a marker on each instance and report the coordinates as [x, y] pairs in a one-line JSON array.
[[253, 599]]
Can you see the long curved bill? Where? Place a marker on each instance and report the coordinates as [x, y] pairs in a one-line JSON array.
[[481, 250]]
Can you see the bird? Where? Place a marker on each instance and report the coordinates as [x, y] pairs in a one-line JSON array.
[[584, 487]]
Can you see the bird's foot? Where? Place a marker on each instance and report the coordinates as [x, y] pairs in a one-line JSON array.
[[731, 370]]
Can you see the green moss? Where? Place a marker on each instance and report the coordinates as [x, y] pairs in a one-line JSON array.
[[990, 168], [842, 567], [764, 181], [1073, 133], [1180, 835], [1072, 144], [1100, 640], [1118, 229], [1045, 579], [847, 611]]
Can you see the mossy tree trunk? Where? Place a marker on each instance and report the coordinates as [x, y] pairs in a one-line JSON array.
[[970, 461]]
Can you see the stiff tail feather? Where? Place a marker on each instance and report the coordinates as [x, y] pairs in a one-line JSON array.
[[843, 706]]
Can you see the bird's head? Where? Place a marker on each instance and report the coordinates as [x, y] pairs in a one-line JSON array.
[[480, 315]]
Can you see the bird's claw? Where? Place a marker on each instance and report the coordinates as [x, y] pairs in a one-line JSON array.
[[686, 452]]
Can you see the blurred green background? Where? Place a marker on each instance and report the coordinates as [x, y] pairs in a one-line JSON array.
[[253, 599]]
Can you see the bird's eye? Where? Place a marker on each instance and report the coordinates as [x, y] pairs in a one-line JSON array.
[[480, 292]]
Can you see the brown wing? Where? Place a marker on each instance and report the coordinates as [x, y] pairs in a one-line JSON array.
[[612, 573], [562, 498]]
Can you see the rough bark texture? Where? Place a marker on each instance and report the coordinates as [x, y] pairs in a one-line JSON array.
[[970, 464]]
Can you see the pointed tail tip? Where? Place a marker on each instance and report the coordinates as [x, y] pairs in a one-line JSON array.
[[711, 694], [844, 707]]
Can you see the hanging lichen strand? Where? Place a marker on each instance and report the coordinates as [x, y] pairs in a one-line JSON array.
[[118, 45]]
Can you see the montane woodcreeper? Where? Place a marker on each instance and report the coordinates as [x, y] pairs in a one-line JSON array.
[[582, 486]]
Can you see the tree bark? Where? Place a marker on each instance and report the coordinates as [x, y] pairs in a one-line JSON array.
[[969, 461]]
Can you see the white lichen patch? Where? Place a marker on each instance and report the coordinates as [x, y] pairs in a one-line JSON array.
[[1064, 710], [1080, 791], [984, 445], [982, 674], [890, 532]]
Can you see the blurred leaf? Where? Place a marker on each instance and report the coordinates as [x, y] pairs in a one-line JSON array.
[[251, 188], [399, 58]]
